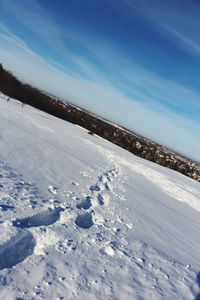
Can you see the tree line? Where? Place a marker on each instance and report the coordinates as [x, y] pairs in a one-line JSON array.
[[14, 88]]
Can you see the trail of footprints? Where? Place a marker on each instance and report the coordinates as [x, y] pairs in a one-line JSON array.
[[98, 196], [22, 244]]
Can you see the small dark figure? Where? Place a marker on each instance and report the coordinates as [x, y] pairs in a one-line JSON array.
[[8, 99], [90, 132]]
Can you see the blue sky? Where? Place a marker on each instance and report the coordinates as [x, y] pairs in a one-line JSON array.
[[133, 62]]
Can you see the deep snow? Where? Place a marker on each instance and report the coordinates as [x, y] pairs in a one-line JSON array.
[[81, 218]]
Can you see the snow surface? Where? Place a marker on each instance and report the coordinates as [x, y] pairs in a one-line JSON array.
[[81, 218]]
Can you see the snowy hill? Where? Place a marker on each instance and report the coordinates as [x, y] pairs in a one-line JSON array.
[[81, 218]]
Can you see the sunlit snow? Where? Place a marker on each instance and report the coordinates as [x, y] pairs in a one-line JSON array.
[[81, 218]]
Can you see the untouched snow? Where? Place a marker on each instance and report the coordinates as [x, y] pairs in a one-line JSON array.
[[81, 218]]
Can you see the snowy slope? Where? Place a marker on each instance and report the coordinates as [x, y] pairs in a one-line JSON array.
[[81, 218]]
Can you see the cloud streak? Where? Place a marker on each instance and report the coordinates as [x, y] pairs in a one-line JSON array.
[[178, 20], [34, 17]]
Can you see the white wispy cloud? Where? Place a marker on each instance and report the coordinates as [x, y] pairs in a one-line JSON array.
[[143, 85], [178, 20], [39, 22], [32, 15]]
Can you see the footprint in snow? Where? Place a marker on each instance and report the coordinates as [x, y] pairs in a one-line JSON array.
[[5, 207], [42, 219], [84, 221], [95, 188], [17, 249], [86, 204], [22, 245]]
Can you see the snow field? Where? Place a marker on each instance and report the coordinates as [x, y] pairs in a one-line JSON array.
[[83, 219]]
